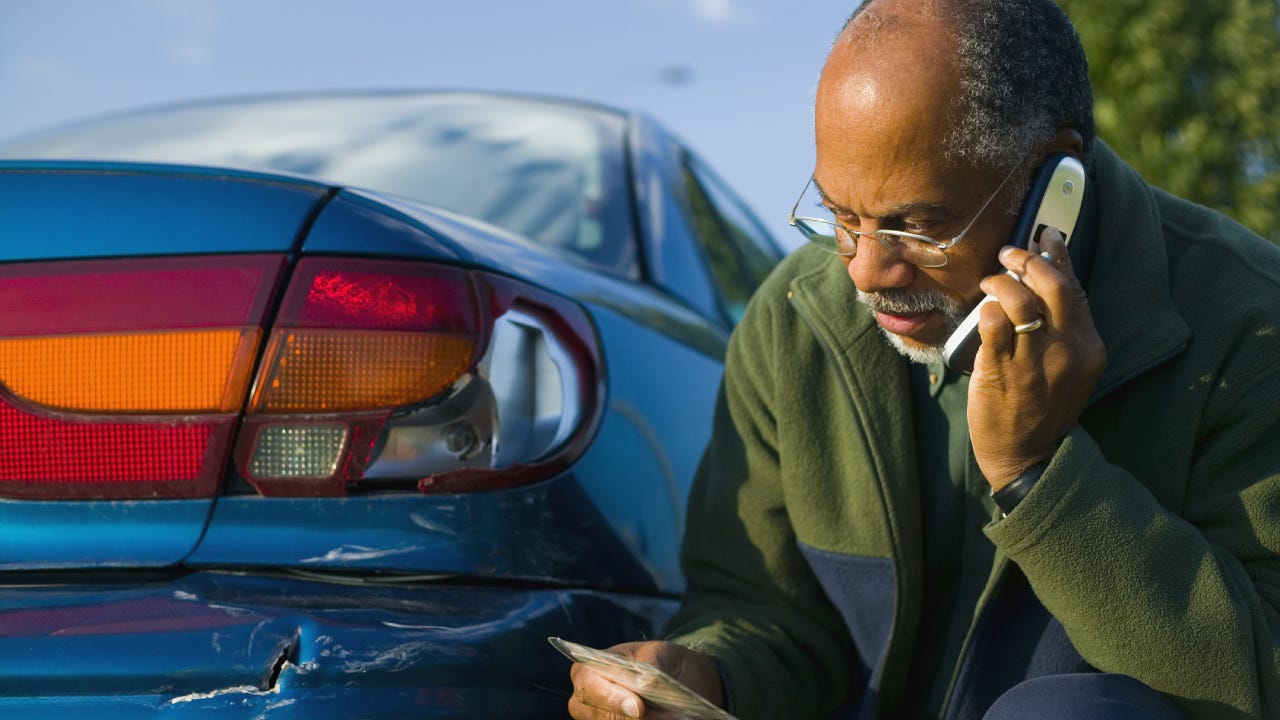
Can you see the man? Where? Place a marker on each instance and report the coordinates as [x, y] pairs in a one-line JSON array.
[[845, 551]]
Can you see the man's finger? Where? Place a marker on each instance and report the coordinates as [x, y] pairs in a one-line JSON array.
[[1052, 246], [595, 697]]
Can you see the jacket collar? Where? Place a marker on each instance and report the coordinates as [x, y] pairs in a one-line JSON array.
[[1128, 288], [875, 379]]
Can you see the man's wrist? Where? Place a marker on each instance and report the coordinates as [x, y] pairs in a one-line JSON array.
[[1008, 497]]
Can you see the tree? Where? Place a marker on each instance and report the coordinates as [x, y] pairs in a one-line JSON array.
[[1188, 92]]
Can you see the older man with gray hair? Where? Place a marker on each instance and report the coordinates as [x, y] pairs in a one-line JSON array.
[[1088, 524]]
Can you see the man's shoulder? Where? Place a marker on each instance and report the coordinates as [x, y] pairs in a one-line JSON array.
[[1188, 232], [1213, 237], [1208, 264], [1189, 267], [1223, 277]]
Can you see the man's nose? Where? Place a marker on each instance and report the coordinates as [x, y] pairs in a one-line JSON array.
[[875, 267]]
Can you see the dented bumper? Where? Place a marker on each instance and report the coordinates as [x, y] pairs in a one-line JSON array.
[[249, 646]]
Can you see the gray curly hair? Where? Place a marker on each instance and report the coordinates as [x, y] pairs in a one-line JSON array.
[[1024, 76]]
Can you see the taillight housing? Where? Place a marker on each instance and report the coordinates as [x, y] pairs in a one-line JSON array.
[[124, 379], [139, 378], [382, 374]]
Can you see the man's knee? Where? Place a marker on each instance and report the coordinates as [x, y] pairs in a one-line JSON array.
[[1084, 696]]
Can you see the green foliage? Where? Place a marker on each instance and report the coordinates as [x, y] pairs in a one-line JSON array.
[[1188, 91]]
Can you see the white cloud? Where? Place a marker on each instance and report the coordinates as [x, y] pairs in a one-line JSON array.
[[711, 12], [716, 12]]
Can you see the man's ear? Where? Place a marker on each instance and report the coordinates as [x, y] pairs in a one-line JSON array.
[[1067, 140]]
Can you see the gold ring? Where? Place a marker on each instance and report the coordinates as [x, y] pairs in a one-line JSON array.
[[1032, 326]]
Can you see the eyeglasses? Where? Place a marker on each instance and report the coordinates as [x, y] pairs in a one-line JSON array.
[[831, 235]]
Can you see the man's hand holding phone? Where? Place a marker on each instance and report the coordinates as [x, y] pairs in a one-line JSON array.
[[1038, 363]]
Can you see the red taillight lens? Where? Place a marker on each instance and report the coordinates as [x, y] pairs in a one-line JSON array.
[[122, 378], [47, 458], [381, 372]]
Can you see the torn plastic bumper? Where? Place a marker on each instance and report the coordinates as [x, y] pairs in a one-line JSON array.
[[248, 646]]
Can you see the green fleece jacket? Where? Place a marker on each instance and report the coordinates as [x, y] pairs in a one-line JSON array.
[[1149, 547]]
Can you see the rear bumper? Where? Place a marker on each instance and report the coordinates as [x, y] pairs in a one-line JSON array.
[[247, 646]]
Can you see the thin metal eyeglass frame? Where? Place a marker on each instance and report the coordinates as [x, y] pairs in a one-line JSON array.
[[889, 239]]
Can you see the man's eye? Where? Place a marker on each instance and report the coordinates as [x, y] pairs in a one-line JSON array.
[[917, 226]]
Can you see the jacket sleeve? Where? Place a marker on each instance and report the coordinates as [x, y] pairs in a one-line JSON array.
[[1184, 598], [751, 601]]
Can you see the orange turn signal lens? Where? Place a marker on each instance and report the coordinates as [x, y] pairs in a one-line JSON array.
[[320, 371], [187, 371]]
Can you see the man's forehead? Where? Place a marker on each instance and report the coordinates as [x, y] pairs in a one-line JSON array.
[[898, 207]]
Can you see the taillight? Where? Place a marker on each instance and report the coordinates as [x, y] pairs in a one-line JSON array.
[[139, 378], [359, 339], [123, 378], [384, 374]]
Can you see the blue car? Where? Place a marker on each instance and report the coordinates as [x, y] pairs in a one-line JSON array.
[[339, 405]]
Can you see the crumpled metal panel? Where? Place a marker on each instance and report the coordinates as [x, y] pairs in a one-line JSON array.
[[247, 646]]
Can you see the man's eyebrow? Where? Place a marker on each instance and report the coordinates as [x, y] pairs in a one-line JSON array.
[[907, 209], [826, 199]]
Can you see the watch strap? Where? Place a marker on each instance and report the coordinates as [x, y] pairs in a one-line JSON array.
[[1008, 497]]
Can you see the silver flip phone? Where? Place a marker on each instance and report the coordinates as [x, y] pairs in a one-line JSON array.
[[1053, 200]]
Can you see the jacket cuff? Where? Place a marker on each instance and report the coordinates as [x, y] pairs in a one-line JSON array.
[[693, 642], [1055, 488]]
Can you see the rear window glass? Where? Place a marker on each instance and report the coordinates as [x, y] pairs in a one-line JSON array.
[[552, 172]]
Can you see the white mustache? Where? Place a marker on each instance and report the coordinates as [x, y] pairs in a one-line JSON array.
[[903, 302]]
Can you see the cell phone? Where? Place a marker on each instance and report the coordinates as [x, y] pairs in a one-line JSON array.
[[1053, 200]]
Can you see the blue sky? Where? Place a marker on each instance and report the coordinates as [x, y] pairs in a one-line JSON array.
[[734, 78]]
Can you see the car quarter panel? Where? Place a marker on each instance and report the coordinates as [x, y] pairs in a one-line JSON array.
[[613, 520]]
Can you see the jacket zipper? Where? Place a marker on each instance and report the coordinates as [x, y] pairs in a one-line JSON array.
[[895, 542]]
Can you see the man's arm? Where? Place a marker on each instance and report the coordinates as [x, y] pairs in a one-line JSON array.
[[752, 602], [1186, 604], [1181, 593]]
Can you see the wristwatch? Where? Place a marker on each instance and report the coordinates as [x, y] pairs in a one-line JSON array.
[[1008, 497]]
